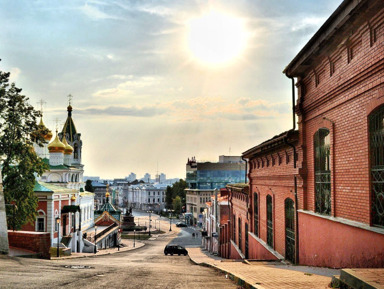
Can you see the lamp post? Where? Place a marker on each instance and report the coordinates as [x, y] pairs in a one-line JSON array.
[[58, 236], [149, 230], [134, 238], [95, 239], [170, 220]]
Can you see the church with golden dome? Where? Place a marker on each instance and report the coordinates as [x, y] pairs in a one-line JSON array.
[[65, 210], [63, 155]]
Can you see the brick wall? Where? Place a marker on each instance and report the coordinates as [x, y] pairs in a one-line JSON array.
[[36, 242], [350, 87], [274, 178]]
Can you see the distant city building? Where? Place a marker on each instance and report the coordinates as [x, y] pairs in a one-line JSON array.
[[204, 177], [208, 175], [147, 178], [131, 177], [96, 179], [146, 196]]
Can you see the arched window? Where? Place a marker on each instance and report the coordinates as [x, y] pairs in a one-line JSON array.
[[40, 221], [269, 221], [256, 214], [376, 137], [322, 149], [76, 151]]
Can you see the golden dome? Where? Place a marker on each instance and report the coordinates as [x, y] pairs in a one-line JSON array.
[[107, 194], [56, 146], [48, 135], [42, 131], [68, 148], [73, 198]]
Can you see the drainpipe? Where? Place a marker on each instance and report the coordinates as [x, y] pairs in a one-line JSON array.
[[246, 170], [294, 166]]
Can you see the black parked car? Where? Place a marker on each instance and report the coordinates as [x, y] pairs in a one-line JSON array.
[[175, 249], [180, 224]]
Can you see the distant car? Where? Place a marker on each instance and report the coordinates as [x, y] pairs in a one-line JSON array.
[[175, 249], [180, 224]]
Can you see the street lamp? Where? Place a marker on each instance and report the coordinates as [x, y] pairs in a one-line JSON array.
[[134, 238], [95, 239], [149, 230], [58, 236], [170, 220]]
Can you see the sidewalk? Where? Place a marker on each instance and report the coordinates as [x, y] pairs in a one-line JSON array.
[[260, 275], [128, 245]]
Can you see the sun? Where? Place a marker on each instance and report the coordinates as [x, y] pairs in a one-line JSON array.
[[216, 38]]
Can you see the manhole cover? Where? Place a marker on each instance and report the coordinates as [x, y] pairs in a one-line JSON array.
[[77, 267]]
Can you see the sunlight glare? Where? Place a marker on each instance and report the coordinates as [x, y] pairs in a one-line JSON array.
[[216, 38]]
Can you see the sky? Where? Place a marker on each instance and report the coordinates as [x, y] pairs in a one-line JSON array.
[[157, 82]]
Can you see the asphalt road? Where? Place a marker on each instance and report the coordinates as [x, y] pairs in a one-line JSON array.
[[146, 267]]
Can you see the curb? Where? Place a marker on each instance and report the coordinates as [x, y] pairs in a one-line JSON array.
[[238, 280]]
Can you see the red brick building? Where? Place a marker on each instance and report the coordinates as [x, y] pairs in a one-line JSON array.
[[271, 205], [317, 196]]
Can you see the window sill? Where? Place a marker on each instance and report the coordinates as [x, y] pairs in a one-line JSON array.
[[345, 222]]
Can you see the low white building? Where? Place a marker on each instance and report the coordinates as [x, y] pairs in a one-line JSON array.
[[146, 196]]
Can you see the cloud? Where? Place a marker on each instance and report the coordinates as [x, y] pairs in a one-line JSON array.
[[92, 9], [129, 111], [15, 72]]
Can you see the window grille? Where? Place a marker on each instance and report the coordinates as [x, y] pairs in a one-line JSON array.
[[376, 135], [322, 150]]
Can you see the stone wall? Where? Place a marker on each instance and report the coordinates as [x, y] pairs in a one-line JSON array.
[[39, 242]]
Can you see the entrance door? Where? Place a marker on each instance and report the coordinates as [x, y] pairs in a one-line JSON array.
[[246, 240], [289, 230], [65, 225]]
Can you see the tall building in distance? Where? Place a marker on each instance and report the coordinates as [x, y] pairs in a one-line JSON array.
[[204, 177], [209, 176], [147, 178], [131, 177]]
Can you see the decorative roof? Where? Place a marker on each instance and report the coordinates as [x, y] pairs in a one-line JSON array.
[[50, 188], [68, 148], [42, 126], [273, 143], [56, 146], [69, 126]]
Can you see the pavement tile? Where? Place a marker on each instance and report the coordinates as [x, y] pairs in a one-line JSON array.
[[263, 276]]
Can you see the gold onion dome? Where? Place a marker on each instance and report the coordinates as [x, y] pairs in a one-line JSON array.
[[107, 193], [42, 126], [73, 198], [56, 146], [68, 148]]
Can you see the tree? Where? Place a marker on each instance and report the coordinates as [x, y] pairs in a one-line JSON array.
[[168, 197], [89, 187], [176, 203], [18, 131], [177, 190]]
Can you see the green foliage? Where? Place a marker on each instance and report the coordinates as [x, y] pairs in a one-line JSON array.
[[168, 197], [89, 187], [176, 204], [177, 189], [18, 130]]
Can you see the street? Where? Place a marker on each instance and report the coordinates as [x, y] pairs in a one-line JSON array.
[[145, 267]]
